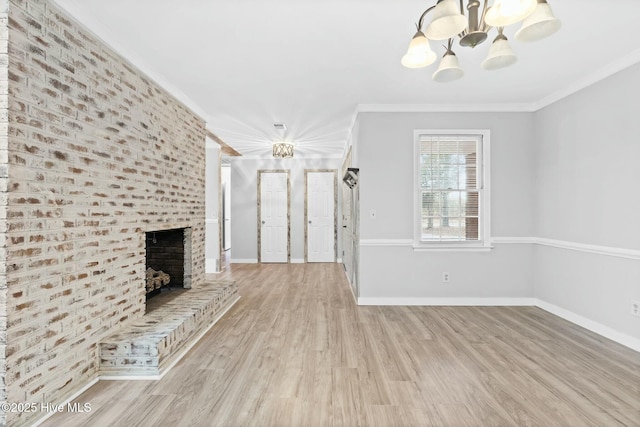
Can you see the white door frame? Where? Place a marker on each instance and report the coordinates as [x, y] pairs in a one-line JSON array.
[[288, 172], [335, 212]]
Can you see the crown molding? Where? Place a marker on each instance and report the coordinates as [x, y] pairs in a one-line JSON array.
[[589, 80], [444, 108], [291, 159], [598, 75]]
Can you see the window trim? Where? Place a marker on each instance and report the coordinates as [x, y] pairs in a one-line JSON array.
[[484, 244]]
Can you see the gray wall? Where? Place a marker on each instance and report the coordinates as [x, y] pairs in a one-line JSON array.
[[587, 177], [385, 158], [564, 187], [244, 190]]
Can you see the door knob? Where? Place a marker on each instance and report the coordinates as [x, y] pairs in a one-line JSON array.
[[263, 222], [309, 221]]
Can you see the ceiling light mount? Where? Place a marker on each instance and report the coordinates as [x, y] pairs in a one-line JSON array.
[[449, 21]]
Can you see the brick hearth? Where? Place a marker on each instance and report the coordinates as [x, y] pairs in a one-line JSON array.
[[151, 343]]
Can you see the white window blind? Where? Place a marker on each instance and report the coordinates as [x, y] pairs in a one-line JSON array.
[[450, 188]]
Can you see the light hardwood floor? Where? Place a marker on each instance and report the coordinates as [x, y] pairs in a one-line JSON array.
[[296, 351]]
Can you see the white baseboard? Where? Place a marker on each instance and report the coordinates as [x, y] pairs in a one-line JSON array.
[[481, 302], [71, 398], [297, 261], [598, 328], [244, 261], [595, 327]]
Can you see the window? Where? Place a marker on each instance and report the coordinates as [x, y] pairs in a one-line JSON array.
[[452, 197]]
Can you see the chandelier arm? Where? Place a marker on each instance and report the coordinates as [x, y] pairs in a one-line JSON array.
[[424, 14], [485, 27]]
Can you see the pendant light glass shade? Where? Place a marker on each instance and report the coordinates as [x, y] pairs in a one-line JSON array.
[[449, 70], [500, 54], [419, 53], [540, 24], [507, 12], [447, 21]]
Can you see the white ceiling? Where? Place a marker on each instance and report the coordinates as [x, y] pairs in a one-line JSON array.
[[245, 64]]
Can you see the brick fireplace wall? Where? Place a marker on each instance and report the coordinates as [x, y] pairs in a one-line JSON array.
[[93, 154]]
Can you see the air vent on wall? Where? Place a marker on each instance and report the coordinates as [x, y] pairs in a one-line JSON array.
[[280, 126]]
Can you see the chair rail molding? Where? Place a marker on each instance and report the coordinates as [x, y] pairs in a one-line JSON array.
[[574, 246]]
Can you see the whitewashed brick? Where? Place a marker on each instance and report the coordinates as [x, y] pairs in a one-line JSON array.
[[92, 155]]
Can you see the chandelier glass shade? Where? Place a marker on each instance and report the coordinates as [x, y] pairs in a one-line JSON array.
[[448, 21], [282, 150]]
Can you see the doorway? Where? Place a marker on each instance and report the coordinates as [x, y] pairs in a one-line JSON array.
[[274, 226], [321, 215]]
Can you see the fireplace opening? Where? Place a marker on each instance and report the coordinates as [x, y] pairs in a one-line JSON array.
[[168, 260]]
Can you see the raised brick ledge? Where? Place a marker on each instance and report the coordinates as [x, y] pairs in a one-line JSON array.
[[147, 346]]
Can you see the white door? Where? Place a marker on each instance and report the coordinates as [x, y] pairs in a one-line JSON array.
[[321, 217], [274, 218]]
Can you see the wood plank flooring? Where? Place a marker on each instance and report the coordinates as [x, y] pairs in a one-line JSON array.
[[297, 351]]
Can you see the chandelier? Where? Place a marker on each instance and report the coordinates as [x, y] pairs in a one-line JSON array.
[[282, 149], [448, 21]]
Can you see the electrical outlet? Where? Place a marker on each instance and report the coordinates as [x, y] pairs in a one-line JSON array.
[[445, 277], [635, 308]]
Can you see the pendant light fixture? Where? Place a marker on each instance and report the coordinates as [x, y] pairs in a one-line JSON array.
[[448, 21], [283, 150]]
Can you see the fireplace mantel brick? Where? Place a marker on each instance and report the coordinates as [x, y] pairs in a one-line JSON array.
[[92, 154]]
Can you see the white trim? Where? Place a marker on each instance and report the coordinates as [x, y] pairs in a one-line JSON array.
[[562, 244], [155, 377], [598, 328], [513, 240], [68, 400], [211, 221], [244, 261], [297, 261], [339, 261], [595, 249], [449, 301], [297, 156], [574, 246], [176, 358], [438, 247], [590, 325], [211, 265], [591, 79], [353, 294], [444, 108], [531, 107], [386, 242]]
